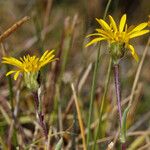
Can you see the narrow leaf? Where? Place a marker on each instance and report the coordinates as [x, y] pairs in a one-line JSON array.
[[123, 128], [59, 144]]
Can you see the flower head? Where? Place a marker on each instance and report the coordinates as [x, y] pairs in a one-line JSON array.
[[29, 66], [118, 35]]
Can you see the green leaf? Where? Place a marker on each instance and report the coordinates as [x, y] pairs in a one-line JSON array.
[[123, 127], [59, 144]]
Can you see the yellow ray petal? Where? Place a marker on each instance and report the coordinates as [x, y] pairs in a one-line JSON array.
[[94, 34], [46, 62], [16, 75], [122, 22], [133, 52], [12, 61], [113, 23], [100, 35], [45, 54], [94, 41], [138, 28], [105, 34], [49, 55], [138, 33], [43, 63], [10, 72], [104, 25], [32, 58]]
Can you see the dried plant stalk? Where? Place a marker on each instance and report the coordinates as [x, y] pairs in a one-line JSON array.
[[13, 28], [79, 117]]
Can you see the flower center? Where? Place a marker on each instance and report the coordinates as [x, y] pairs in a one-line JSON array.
[[30, 67], [121, 37]]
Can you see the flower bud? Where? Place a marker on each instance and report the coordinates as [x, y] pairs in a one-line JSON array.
[[116, 51], [31, 80]]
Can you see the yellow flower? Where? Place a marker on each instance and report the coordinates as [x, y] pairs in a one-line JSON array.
[[29, 64], [121, 34]]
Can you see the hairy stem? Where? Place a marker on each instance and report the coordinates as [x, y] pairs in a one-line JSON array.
[[118, 95], [123, 146], [118, 92], [40, 115]]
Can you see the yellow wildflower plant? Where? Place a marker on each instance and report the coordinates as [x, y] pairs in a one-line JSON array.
[[29, 66], [118, 35]]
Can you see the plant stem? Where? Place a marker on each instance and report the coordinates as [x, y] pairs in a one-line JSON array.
[[11, 94], [78, 109], [10, 84], [118, 92], [73, 147], [118, 95], [102, 101], [40, 115], [123, 146], [94, 82], [92, 96], [106, 9]]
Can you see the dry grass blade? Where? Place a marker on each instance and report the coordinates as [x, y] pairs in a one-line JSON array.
[[137, 142], [110, 146], [145, 147], [80, 86], [132, 113], [5, 115], [47, 13], [49, 139], [79, 116], [138, 133], [13, 28], [102, 140], [84, 77], [138, 72], [140, 122]]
